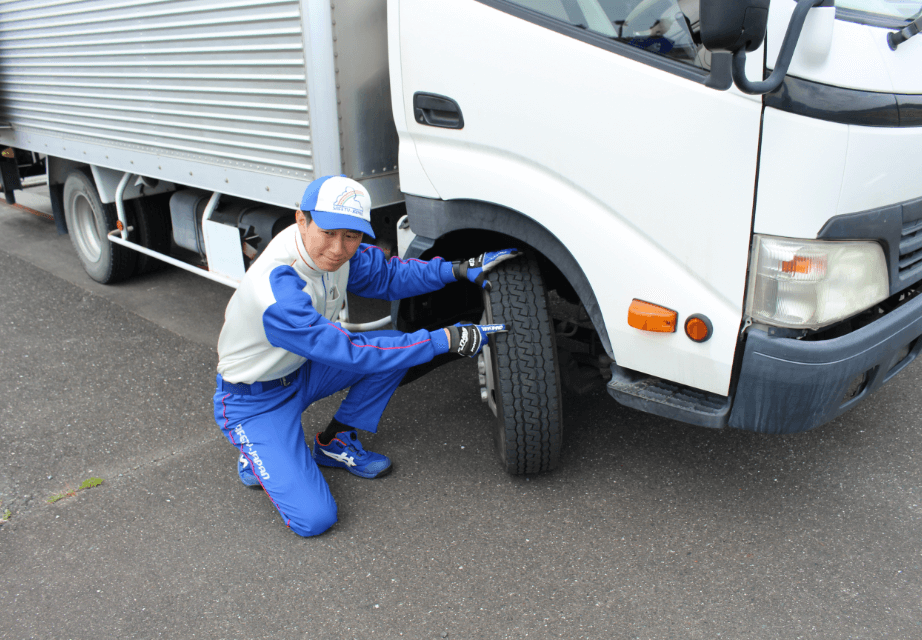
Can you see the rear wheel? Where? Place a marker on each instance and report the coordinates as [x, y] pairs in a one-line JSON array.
[[88, 222], [519, 368], [150, 216]]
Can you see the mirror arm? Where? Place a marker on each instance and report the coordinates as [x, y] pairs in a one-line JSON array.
[[784, 56]]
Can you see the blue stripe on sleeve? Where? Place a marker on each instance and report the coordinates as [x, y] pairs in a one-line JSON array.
[[292, 323]]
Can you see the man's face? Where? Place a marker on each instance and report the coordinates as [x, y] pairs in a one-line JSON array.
[[328, 248]]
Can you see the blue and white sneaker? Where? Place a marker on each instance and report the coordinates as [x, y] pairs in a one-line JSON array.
[[346, 452], [245, 471]]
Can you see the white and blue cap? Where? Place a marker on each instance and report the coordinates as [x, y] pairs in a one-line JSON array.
[[336, 202]]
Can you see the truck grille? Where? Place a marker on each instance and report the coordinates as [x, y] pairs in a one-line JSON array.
[[910, 258]]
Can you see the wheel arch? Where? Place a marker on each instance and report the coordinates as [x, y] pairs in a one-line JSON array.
[[456, 228], [57, 170]]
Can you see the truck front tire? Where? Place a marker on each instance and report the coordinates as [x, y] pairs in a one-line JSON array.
[[88, 222], [524, 381]]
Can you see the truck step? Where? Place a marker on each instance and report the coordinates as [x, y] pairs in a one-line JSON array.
[[668, 399]]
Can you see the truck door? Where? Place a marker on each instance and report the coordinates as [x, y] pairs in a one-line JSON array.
[[592, 117]]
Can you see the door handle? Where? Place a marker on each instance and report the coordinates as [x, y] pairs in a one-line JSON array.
[[437, 111]]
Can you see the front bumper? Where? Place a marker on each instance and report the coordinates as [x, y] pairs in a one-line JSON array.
[[788, 386]]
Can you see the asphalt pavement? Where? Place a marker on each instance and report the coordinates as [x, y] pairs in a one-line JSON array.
[[649, 528]]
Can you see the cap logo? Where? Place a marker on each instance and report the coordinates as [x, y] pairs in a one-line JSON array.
[[339, 205]]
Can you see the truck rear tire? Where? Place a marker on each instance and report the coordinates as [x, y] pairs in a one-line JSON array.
[[524, 381], [88, 221], [150, 216]]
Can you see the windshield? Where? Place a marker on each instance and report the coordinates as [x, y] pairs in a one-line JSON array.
[[899, 9]]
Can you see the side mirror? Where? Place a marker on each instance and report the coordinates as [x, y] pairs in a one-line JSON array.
[[738, 26], [732, 25]]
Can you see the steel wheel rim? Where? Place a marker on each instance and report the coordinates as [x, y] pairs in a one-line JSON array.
[[486, 356], [86, 228]]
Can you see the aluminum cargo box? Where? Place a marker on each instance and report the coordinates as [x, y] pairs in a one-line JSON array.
[[251, 99]]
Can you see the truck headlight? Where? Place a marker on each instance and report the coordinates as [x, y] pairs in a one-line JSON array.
[[808, 284]]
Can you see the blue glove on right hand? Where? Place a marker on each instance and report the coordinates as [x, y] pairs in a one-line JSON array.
[[468, 339]]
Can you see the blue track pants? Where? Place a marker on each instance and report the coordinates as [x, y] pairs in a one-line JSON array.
[[266, 428]]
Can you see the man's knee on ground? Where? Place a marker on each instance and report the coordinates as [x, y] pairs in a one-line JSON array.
[[314, 522]]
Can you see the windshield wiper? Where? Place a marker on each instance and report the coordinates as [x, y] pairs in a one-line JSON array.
[[896, 38]]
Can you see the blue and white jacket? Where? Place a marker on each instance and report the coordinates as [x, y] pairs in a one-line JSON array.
[[282, 314]]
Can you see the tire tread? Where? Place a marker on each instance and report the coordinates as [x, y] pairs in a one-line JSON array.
[[117, 262], [527, 379]]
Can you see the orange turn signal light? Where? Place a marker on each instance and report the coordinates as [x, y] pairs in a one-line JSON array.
[[698, 327], [647, 316], [798, 264]]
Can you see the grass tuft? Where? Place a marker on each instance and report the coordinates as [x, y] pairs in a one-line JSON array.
[[89, 483], [60, 496]]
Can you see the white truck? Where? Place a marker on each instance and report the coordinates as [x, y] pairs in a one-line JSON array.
[[714, 247]]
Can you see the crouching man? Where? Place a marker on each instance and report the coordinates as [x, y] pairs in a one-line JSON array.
[[280, 349]]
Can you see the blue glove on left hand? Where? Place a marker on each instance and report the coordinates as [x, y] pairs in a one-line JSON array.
[[476, 269]]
